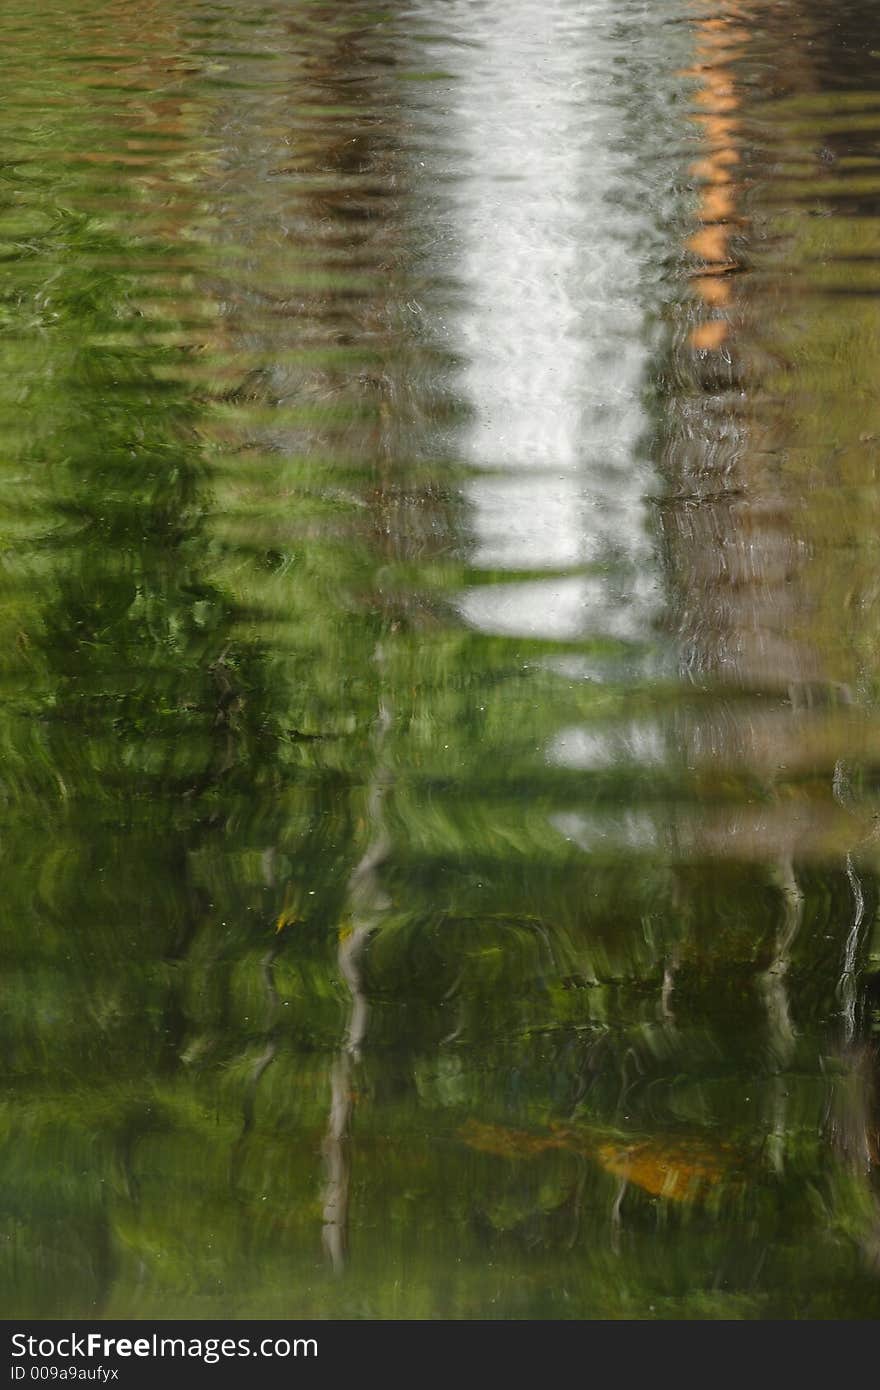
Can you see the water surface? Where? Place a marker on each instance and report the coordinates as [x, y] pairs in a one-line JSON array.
[[438, 659]]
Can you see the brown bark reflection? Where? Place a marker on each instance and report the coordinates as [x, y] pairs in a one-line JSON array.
[[770, 474], [732, 522], [140, 65]]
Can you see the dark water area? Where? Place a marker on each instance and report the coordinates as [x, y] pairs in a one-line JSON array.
[[439, 677]]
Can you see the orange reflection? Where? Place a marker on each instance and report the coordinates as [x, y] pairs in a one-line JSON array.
[[721, 40], [682, 1169]]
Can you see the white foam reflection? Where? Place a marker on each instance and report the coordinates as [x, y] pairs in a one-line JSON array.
[[590, 750], [629, 830], [563, 608]]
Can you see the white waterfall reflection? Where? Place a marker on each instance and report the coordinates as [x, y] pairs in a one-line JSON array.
[[551, 329]]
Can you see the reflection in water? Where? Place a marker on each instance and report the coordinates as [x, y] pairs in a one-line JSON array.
[[438, 687], [549, 326], [749, 614], [721, 42], [368, 905]]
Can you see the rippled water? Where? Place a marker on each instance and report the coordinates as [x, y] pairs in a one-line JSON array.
[[438, 658]]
